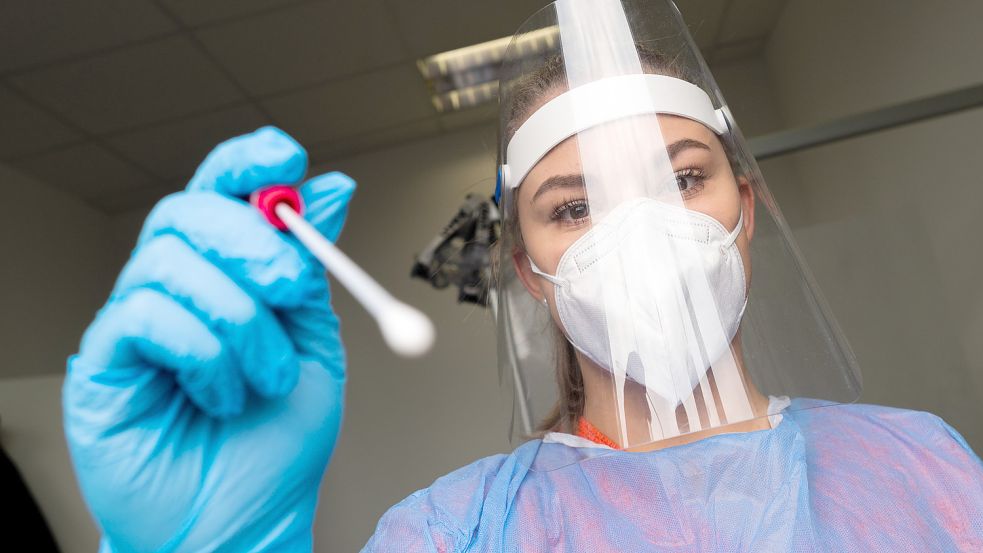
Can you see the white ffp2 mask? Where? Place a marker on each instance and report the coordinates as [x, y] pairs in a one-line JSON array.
[[653, 291]]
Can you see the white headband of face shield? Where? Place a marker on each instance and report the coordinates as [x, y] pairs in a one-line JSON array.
[[600, 102]]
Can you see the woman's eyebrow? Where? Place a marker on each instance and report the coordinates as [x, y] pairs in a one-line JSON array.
[[684, 144], [559, 181], [577, 180]]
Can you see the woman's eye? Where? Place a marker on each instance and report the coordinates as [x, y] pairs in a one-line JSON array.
[[579, 211], [690, 181], [572, 212]]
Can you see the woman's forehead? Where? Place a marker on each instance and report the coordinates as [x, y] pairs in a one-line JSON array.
[[660, 131]]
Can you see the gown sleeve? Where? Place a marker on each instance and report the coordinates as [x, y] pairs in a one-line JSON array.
[[442, 518], [883, 476], [412, 527]]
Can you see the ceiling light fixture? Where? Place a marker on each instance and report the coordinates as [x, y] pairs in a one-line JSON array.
[[468, 77]]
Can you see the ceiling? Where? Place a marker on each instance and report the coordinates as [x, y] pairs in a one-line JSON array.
[[117, 101]]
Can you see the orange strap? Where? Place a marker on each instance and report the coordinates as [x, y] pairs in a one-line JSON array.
[[590, 432]]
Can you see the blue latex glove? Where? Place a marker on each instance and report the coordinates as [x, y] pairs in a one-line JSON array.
[[206, 399]]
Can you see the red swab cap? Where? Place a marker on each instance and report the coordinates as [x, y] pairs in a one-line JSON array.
[[267, 199]]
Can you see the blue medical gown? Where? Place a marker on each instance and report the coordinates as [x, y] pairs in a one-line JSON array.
[[848, 478]]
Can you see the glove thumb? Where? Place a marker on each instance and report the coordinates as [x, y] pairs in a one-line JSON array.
[[326, 199]]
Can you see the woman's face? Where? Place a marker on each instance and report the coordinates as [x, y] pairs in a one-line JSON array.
[[553, 209]]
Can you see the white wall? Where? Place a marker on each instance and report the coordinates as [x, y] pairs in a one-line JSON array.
[[56, 270], [32, 435], [888, 221], [409, 422], [55, 273]]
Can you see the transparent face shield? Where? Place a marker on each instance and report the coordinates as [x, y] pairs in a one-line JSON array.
[[649, 289]]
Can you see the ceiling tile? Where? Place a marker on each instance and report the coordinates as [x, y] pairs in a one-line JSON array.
[[173, 150], [374, 140], [85, 171], [354, 106], [34, 32], [486, 113], [128, 88], [432, 26], [135, 198], [750, 19], [725, 53], [26, 129], [304, 44], [196, 12], [703, 18]]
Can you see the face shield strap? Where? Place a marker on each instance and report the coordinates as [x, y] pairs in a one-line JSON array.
[[599, 102]]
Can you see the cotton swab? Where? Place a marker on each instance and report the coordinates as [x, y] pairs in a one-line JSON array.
[[406, 330]]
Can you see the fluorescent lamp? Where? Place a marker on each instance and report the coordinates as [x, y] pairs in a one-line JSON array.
[[468, 77]]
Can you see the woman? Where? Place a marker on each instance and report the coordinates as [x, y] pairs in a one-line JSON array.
[[196, 409]]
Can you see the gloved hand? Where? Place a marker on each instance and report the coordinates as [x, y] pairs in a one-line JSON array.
[[206, 399]]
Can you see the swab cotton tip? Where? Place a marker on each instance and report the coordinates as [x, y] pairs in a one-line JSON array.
[[407, 331]]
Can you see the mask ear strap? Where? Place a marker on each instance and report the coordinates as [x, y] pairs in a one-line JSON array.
[[732, 237], [535, 269]]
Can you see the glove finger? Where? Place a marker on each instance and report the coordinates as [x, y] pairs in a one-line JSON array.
[[246, 327], [147, 328], [314, 329], [326, 198], [234, 236], [242, 164]]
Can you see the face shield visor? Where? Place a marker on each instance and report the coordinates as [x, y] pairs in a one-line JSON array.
[[648, 287]]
